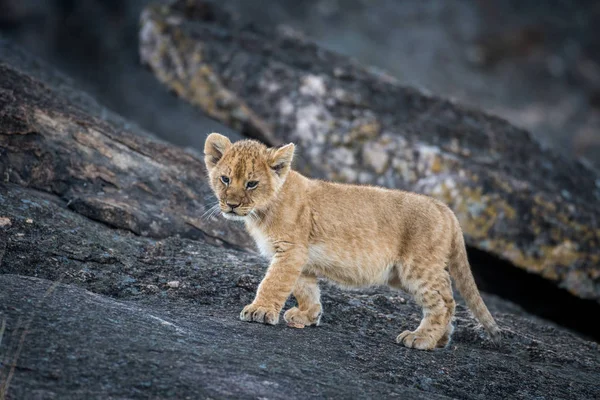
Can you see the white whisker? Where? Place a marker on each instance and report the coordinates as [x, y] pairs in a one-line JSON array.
[[208, 214], [216, 211], [207, 211]]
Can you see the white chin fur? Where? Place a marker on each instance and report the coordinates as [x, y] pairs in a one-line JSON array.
[[233, 217]]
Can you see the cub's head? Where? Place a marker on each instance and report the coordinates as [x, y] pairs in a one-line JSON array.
[[245, 175]]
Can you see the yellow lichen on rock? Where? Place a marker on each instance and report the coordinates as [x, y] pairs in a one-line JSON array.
[[365, 131]]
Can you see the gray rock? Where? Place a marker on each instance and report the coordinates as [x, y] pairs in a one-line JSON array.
[[101, 166], [86, 335]]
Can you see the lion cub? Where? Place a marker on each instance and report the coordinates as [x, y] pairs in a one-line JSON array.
[[353, 235]]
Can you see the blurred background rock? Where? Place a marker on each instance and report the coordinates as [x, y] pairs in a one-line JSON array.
[[535, 63]]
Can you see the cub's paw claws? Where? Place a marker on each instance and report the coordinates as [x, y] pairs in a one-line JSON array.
[[295, 316], [256, 313], [416, 340]]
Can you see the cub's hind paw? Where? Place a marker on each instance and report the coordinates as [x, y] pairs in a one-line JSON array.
[[443, 342], [445, 339], [257, 313], [295, 316], [416, 340]]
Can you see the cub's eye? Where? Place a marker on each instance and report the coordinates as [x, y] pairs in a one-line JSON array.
[[251, 184], [225, 180]]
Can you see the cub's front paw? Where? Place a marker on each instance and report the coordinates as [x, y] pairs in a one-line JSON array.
[[312, 316], [416, 340], [257, 313]]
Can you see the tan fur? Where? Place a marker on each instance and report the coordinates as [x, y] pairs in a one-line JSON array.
[[353, 235]]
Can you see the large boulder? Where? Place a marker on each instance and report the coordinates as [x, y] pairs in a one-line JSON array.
[[91, 311], [515, 200], [56, 139]]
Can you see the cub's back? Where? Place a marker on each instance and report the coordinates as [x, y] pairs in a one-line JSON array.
[[370, 209]]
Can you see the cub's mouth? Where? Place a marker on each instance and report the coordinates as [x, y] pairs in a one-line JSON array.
[[232, 215]]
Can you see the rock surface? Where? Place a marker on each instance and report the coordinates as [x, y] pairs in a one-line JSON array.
[[56, 139], [515, 199], [89, 313]]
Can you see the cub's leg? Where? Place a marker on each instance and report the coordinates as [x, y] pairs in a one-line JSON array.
[[443, 342], [308, 296], [432, 290], [277, 284], [450, 309]]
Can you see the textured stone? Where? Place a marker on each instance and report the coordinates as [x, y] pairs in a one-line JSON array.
[[101, 168], [97, 319]]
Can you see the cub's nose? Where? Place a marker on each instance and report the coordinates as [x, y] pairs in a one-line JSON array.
[[232, 205]]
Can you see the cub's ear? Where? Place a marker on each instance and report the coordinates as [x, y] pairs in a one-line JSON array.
[[280, 159], [214, 147]]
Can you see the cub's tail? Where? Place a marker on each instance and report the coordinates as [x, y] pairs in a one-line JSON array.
[[463, 278]]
